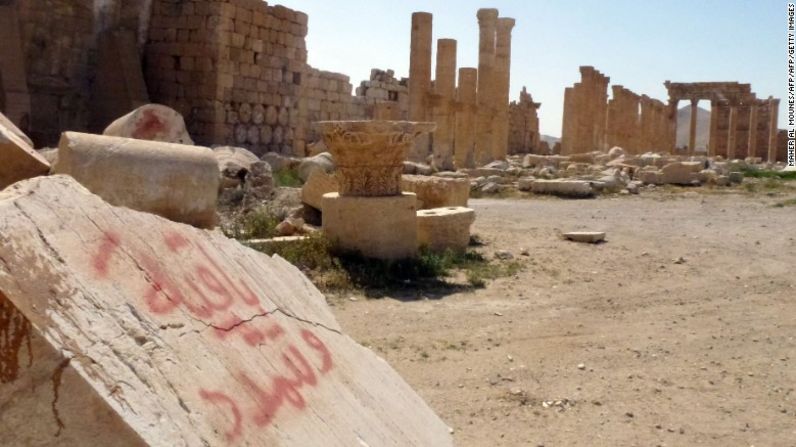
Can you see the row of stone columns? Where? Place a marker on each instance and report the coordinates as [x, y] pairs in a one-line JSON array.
[[472, 120], [753, 108], [585, 113], [636, 123]]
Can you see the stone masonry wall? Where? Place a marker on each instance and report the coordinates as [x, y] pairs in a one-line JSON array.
[[232, 68], [59, 39]]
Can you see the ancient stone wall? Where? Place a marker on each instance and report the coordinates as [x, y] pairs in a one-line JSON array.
[[233, 69], [585, 113], [327, 96], [523, 124], [59, 41], [384, 96]]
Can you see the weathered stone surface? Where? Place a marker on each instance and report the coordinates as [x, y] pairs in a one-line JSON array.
[[234, 162], [8, 124], [592, 237], [18, 160], [318, 184], [175, 181], [377, 227], [122, 328], [279, 162], [370, 154], [680, 173], [436, 192], [151, 122], [322, 161], [447, 228], [411, 167], [566, 188], [650, 177]]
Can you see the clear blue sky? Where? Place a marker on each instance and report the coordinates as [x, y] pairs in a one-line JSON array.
[[638, 43]]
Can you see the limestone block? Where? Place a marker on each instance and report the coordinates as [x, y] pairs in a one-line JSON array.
[[151, 122], [321, 162], [591, 237], [447, 228], [8, 124], [382, 227], [565, 188], [318, 184], [525, 183], [678, 173], [650, 177], [175, 181], [121, 328], [436, 192], [18, 160]]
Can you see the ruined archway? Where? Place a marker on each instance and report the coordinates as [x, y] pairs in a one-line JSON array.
[[740, 125]]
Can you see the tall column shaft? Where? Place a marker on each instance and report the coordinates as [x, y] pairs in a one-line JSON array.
[[500, 123], [773, 116], [731, 130], [713, 132], [420, 78], [692, 129], [567, 122], [752, 144], [444, 90], [487, 23], [464, 140]]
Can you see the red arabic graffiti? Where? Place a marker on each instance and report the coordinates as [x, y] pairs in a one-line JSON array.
[[210, 294]]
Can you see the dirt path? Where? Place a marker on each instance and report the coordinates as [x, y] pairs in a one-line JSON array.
[[613, 344]]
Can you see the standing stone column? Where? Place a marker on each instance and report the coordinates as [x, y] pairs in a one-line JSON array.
[[444, 90], [567, 124], [752, 144], [671, 116], [692, 129], [731, 131], [501, 78], [464, 141], [714, 125], [420, 78], [773, 115], [487, 23]]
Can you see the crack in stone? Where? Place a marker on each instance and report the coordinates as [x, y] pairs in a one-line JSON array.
[[56, 379]]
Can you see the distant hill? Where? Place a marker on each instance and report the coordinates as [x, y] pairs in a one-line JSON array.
[[551, 140], [684, 127]]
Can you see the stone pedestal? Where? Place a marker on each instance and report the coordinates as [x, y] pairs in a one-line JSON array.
[[377, 227], [370, 215], [441, 229]]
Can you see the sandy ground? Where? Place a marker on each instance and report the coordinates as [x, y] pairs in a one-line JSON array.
[[616, 344]]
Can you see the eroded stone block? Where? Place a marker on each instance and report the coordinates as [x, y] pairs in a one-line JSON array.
[[435, 192], [377, 227], [447, 228], [175, 181], [18, 160], [122, 328]]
